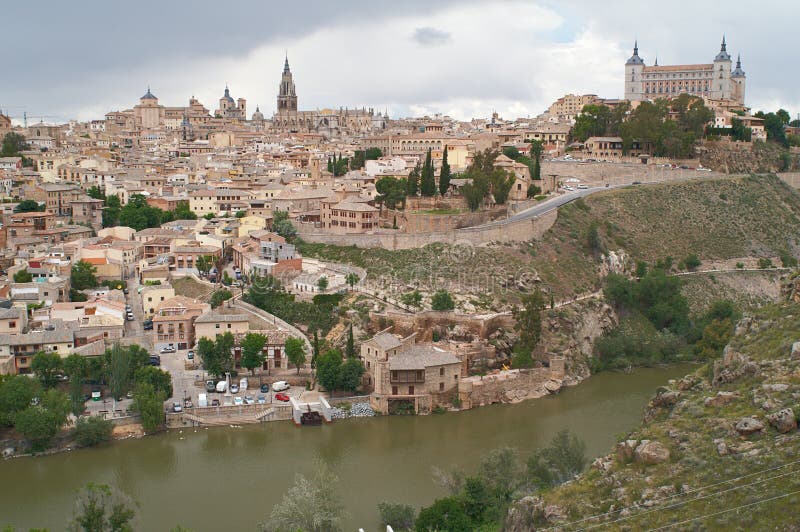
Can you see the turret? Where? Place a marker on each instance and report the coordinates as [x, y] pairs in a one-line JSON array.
[[634, 68], [738, 80], [721, 81]]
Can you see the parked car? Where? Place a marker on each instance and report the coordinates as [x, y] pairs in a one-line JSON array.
[[222, 386], [636, 183], [190, 355], [125, 291], [262, 399], [211, 386], [249, 400], [168, 349], [265, 388], [243, 384], [282, 397], [215, 402], [234, 388], [176, 407], [148, 325], [202, 400], [130, 316], [280, 386], [237, 401], [583, 187], [155, 360], [187, 403], [128, 308]]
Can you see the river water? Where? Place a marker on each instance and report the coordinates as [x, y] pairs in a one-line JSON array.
[[229, 478]]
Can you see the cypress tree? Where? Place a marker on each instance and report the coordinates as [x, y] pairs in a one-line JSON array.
[[427, 183], [412, 184], [351, 348], [444, 174], [330, 165]]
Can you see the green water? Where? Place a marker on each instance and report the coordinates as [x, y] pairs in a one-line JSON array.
[[229, 479]]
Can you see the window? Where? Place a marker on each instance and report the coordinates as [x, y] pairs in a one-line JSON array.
[[216, 325], [455, 377], [441, 371], [410, 390], [394, 388], [12, 324], [441, 386], [229, 326]]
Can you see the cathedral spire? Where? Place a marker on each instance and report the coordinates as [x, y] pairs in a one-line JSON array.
[[724, 46], [286, 64]]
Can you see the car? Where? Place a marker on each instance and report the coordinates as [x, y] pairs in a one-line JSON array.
[[176, 407], [636, 183], [168, 349], [238, 401], [249, 400], [187, 403], [282, 397], [190, 355], [606, 185], [261, 399], [211, 386], [96, 395], [280, 386], [125, 291], [265, 388], [583, 187], [155, 360], [129, 395], [128, 308], [243, 384], [215, 402], [234, 388], [148, 326]]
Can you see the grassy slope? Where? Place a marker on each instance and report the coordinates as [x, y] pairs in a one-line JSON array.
[[689, 428], [715, 218]]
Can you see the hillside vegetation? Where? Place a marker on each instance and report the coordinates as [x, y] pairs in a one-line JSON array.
[[720, 439], [716, 219]]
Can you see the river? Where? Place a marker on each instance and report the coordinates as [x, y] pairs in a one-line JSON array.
[[228, 479]]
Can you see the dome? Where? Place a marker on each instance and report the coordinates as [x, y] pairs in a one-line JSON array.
[[635, 59], [723, 54], [148, 95], [227, 95], [738, 72]]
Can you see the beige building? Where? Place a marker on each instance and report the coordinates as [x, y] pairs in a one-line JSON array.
[[153, 295], [213, 324], [173, 323], [405, 376], [347, 216]]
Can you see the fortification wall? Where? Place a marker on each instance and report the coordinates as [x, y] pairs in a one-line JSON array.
[[509, 386]]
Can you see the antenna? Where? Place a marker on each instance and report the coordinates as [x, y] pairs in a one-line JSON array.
[[25, 118]]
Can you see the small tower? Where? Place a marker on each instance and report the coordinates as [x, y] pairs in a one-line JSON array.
[[634, 68], [738, 80], [721, 78]]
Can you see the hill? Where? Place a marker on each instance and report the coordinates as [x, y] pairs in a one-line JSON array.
[[721, 439], [717, 219]]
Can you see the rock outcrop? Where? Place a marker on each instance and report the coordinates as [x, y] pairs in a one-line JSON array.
[[748, 425], [784, 420], [651, 452]]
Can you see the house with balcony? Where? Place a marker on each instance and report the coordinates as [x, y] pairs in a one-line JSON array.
[[404, 376], [173, 322]]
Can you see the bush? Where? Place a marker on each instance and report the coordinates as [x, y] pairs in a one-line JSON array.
[[92, 430], [692, 262], [441, 300], [740, 265], [787, 260], [219, 297], [398, 516], [764, 263]]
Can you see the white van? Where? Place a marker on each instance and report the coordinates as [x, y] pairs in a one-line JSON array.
[[280, 386], [202, 400], [243, 384], [222, 386]]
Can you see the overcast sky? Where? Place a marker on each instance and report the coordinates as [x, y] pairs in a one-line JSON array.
[[465, 58]]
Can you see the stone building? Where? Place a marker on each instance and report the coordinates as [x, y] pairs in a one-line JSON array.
[[403, 375], [715, 81]]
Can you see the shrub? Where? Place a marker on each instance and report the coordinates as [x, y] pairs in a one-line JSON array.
[[92, 430], [740, 265], [692, 262], [398, 516], [441, 300], [764, 263]]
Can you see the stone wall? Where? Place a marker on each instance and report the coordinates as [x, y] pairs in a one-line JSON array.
[[423, 323], [619, 173], [516, 231], [509, 386], [791, 178]]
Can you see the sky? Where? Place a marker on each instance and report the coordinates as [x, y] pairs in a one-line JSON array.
[[466, 58]]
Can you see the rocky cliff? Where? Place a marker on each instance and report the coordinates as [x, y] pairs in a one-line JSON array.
[[718, 449], [743, 158]]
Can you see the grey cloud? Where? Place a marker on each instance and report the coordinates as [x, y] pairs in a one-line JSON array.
[[431, 36]]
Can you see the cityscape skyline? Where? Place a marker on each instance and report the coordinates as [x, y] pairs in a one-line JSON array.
[[425, 60]]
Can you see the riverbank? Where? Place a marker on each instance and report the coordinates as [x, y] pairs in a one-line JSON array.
[[175, 475]]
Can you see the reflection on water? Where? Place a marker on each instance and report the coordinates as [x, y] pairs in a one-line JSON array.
[[228, 478]]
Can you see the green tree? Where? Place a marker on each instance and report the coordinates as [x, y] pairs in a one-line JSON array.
[[477, 499], [350, 373], [150, 405], [499, 470], [398, 516], [29, 205], [219, 297], [75, 368], [328, 366], [92, 430], [37, 425], [295, 350], [23, 276], [444, 174], [784, 116], [310, 504], [593, 242], [98, 508], [528, 320], [83, 276], [120, 370], [96, 192], [351, 279], [207, 353], [442, 301], [716, 336], [692, 261], [446, 514], [774, 127], [350, 351], [427, 183], [412, 183], [183, 212], [557, 463], [13, 144], [138, 214], [16, 394], [47, 367], [282, 225], [594, 121], [160, 380], [253, 351], [322, 283], [412, 299], [204, 263]]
